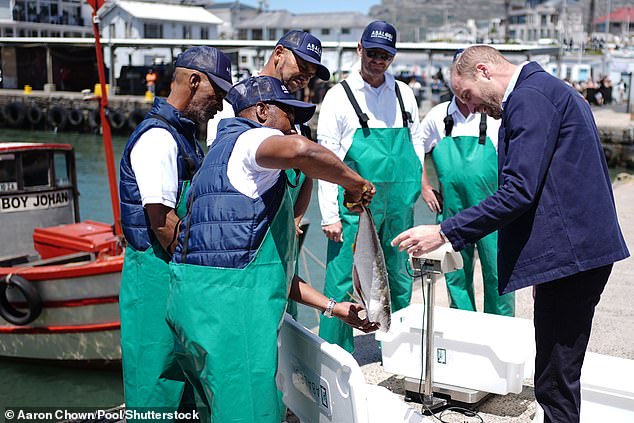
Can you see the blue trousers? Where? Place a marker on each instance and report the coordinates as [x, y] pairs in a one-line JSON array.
[[564, 309]]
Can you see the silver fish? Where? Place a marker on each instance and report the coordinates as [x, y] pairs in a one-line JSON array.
[[369, 274]]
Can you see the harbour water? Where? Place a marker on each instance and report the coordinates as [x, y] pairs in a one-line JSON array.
[[49, 386]]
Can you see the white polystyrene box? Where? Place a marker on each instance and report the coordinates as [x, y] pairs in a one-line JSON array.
[[607, 389], [322, 383], [472, 350]]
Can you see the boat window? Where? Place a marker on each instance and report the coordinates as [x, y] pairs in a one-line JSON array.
[[60, 166], [35, 169], [8, 173]]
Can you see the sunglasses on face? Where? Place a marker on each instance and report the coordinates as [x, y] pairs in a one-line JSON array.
[[378, 54]]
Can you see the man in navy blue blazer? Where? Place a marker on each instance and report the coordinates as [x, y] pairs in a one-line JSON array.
[[554, 210]]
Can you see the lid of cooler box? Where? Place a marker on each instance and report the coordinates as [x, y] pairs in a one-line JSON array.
[[83, 236]]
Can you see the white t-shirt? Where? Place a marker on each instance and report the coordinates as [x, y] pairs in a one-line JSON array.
[[433, 125], [338, 122], [154, 162], [212, 124], [244, 173]]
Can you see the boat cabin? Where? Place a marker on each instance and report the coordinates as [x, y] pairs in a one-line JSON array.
[[38, 188]]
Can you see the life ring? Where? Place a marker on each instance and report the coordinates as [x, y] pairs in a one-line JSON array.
[[57, 117], [14, 113], [136, 116], [31, 296], [116, 118], [75, 117], [34, 115]]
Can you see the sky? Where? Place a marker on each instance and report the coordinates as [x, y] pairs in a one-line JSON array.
[[303, 6]]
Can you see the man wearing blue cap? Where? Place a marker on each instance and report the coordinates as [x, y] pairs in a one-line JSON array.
[[295, 60], [234, 265], [158, 163], [371, 122]]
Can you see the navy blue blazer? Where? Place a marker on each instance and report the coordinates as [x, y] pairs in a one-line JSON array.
[[554, 207]]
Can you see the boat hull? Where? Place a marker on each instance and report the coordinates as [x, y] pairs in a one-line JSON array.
[[79, 322]]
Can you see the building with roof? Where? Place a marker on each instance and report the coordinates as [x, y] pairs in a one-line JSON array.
[[327, 26], [135, 20], [231, 13], [549, 21], [618, 23]]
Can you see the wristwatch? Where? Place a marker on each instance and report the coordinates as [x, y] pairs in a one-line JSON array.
[[330, 307]]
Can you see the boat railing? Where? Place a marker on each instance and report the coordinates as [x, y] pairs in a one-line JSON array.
[[78, 257]]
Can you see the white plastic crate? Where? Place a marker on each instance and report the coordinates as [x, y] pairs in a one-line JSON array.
[[472, 350]]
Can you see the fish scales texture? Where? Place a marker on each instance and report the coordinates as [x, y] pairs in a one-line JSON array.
[[369, 273]]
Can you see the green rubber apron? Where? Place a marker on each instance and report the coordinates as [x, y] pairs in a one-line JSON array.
[[226, 322], [296, 178], [467, 171], [151, 375], [386, 157]]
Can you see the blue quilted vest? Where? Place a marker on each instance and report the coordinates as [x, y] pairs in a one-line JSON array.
[[223, 227], [136, 225]]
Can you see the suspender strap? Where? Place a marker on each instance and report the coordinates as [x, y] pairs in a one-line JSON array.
[[448, 121], [191, 163], [363, 118], [407, 116], [483, 129]]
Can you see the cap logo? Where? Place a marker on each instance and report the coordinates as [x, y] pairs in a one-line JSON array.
[[382, 34], [314, 48], [284, 89]]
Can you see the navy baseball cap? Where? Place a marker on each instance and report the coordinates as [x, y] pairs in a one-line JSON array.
[[379, 34], [307, 47], [255, 89], [210, 61]]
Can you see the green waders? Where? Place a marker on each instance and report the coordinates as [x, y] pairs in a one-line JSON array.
[[297, 179], [386, 158], [227, 321], [467, 171], [152, 378]]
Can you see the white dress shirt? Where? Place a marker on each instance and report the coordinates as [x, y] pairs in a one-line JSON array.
[[433, 125], [338, 122]]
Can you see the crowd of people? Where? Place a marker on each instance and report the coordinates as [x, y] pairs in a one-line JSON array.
[[601, 92], [212, 240]]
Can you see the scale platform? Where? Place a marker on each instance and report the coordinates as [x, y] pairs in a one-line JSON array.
[[455, 394]]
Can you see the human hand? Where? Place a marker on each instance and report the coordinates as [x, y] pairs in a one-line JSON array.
[[431, 199], [419, 240], [361, 195], [334, 231], [349, 313], [298, 222]]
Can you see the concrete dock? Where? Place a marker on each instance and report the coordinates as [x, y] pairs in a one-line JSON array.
[[612, 332]]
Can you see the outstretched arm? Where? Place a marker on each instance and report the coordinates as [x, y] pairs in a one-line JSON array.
[[347, 312], [296, 151]]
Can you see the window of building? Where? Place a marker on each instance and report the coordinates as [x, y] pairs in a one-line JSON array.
[[325, 31], [187, 32], [271, 34], [204, 33], [345, 30], [152, 30], [256, 34], [242, 34]]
